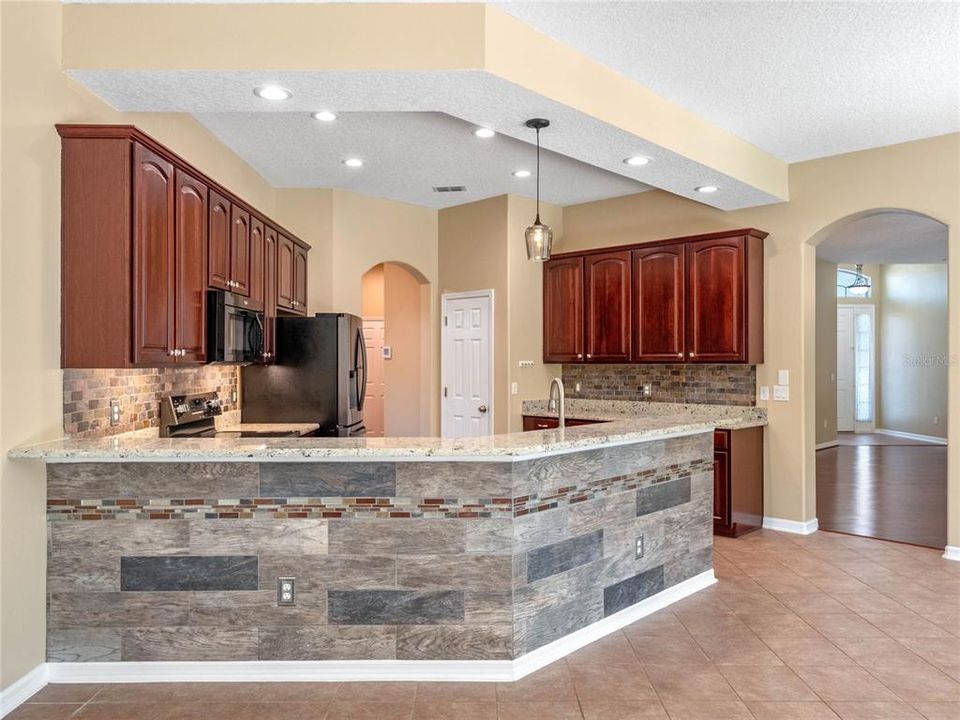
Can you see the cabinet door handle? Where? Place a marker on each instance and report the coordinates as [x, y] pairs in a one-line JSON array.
[[579, 356], [680, 355], [589, 356], [172, 353], [691, 354]]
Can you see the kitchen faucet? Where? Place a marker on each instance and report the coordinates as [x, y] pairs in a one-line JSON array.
[[558, 402]]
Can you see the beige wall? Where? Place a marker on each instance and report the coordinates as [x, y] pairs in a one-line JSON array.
[[482, 247], [309, 214], [912, 377], [406, 320], [372, 289], [826, 352], [920, 176]]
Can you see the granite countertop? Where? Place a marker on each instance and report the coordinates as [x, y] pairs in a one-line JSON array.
[[723, 417]]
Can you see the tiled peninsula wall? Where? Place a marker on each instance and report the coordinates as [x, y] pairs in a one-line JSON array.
[[87, 395], [393, 560], [679, 383]]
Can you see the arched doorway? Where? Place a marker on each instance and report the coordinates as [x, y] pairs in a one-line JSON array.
[[396, 318], [882, 376]]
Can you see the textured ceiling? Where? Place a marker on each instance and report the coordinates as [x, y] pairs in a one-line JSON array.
[[474, 96], [892, 236], [800, 80], [405, 155]]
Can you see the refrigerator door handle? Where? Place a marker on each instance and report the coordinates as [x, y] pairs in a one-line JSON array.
[[361, 369]]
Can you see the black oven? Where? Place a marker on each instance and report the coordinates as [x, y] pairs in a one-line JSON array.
[[234, 328]]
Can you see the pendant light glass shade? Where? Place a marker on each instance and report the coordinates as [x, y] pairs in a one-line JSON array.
[[539, 240], [539, 236]]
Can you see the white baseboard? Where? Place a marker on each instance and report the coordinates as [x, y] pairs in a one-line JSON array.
[[913, 436], [373, 670], [952, 552], [14, 696], [827, 444], [791, 526]]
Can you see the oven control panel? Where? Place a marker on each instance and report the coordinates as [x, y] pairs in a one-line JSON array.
[[181, 409]]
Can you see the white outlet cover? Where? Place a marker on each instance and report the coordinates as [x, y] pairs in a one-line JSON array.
[[781, 392], [514, 390], [783, 377], [764, 392]]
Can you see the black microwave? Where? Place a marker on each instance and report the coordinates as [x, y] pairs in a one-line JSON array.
[[234, 329]]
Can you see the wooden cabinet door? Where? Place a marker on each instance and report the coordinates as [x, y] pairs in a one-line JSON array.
[[153, 258], [563, 310], [218, 255], [715, 318], [659, 332], [285, 273], [721, 487], [240, 250], [269, 293], [607, 307], [256, 259], [191, 269], [300, 279]]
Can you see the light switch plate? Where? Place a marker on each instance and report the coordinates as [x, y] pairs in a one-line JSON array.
[[764, 392], [526, 363], [514, 390], [781, 392], [783, 377]]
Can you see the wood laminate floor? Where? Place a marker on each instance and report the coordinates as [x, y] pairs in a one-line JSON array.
[[891, 491]]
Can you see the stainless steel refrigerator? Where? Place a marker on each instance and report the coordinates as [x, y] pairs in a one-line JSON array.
[[319, 376]]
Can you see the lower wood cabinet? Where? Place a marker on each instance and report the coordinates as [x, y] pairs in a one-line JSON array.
[[538, 422], [737, 481]]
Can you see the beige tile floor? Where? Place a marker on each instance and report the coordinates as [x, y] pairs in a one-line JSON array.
[[798, 628]]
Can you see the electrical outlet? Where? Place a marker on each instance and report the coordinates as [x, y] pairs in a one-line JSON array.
[[647, 390], [640, 547], [286, 591], [114, 412], [576, 387], [233, 396], [936, 419], [764, 392]]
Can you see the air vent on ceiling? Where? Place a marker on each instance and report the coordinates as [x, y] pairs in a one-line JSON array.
[[449, 188]]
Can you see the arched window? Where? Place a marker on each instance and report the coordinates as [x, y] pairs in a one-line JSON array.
[[853, 283]]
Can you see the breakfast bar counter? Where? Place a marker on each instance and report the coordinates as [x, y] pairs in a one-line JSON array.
[[513, 548]]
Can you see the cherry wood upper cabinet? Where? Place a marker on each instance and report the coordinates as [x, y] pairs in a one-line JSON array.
[[144, 235], [300, 279], [285, 273], [256, 259], [718, 322], [153, 258], [688, 299], [658, 304], [240, 250], [190, 279], [607, 306], [563, 310], [270, 237], [218, 256]]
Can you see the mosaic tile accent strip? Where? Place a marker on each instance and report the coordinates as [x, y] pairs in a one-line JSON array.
[[679, 383], [87, 395], [61, 509]]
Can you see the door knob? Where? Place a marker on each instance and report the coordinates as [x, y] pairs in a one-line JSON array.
[[482, 408]]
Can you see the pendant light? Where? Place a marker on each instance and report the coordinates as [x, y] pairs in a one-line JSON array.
[[860, 287], [539, 236]]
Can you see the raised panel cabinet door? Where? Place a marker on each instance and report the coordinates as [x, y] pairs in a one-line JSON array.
[[153, 258], [300, 279], [269, 293], [607, 307], [715, 301], [658, 304], [218, 254], [240, 250], [285, 272], [256, 259], [563, 310], [190, 282]]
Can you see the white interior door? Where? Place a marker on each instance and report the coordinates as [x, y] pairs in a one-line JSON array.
[[467, 360], [376, 387], [846, 398]]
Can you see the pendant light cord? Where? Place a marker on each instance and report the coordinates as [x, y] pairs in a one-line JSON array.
[[538, 177]]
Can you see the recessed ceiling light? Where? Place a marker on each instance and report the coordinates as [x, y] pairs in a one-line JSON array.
[[521, 173], [353, 162], [324, 116], [272, 92], [484, 133], [707, 189], [637, 160]]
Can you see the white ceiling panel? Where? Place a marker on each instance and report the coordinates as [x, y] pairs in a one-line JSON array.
[[892, 236]]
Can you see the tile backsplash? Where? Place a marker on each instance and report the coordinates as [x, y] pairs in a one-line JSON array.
[[679, 383], [87, 395]]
